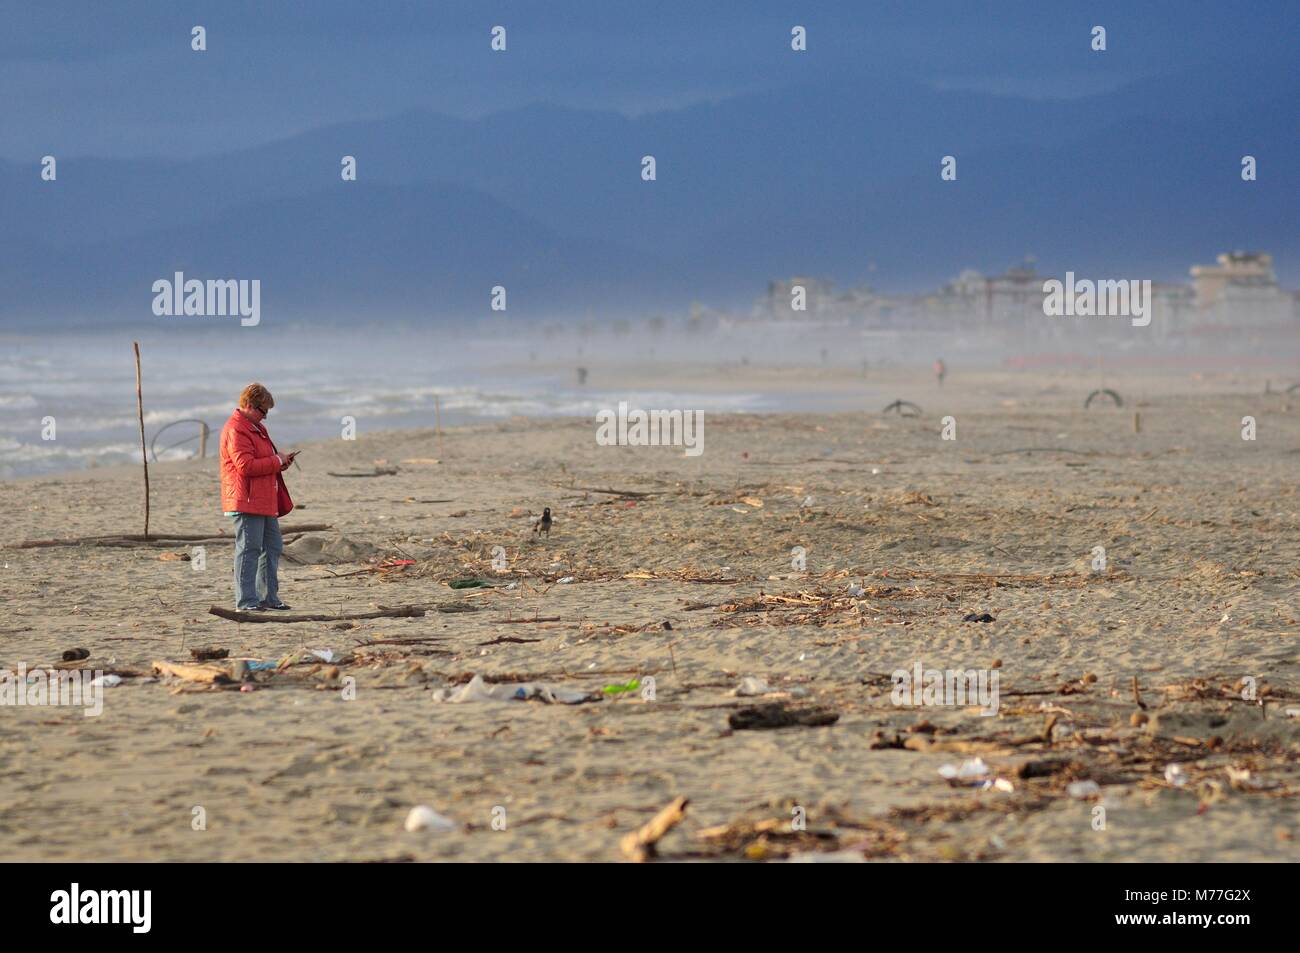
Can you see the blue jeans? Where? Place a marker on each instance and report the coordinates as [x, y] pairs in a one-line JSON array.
[[258, 545]]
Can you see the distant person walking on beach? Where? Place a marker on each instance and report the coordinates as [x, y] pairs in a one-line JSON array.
[[940, 371], [254, 493]]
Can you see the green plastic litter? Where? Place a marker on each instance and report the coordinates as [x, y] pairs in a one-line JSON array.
[[630, 686]]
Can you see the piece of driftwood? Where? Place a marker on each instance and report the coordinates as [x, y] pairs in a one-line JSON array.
[[420, 641], [396, 612], [633, 494], [1137, 695], [193, 673], [155, 539], [639, 846], [376, 472]]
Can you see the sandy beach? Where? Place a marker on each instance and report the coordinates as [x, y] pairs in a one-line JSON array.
[[1165, 677]]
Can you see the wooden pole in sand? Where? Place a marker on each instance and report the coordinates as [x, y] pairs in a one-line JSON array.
[[144, 457]]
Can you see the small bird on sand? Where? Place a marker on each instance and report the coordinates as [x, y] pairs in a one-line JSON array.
[[543, 525]]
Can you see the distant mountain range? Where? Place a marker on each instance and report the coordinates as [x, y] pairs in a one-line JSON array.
[[838, 179]]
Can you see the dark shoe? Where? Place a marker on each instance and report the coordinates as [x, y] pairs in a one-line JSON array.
[[249, 608], [281, 606]]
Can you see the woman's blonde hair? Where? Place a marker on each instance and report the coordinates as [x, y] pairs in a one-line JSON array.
[[256, 397]]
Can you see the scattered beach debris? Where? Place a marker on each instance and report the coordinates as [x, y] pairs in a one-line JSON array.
[[75, 655], [641, 845], [473, 583], [382, 567], [781, 715], [980, 617], [1176, 775], [208, 654], [425, 818], [106, 681], [1082, 790], [477, 690]]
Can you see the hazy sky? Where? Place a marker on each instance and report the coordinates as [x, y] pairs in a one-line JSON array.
[[119, 79]]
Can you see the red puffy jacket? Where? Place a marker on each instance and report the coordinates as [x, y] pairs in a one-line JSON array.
[[250, 471]]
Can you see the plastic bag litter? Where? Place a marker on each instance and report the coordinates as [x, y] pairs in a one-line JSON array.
[[477, 690], [564, 581], [1083, 789], [424, 818], [856, 591], [325, 655], [972, 769], [1176, 775], [106, 681], [752, 685]]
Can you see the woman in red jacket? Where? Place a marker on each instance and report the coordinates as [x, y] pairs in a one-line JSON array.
[[253, 492]]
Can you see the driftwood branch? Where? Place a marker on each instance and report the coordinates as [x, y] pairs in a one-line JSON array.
[[155, 539], [639, 846], [632, 494], [193, 673], [397, 612], [376, 472]]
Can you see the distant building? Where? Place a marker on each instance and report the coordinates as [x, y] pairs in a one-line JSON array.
[[1241, 290], [779, 303], [1015, 297], [1173, 309]]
